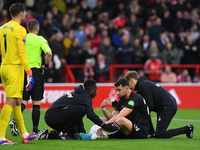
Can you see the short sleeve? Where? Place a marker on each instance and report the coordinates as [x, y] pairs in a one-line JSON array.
[[45, 46]]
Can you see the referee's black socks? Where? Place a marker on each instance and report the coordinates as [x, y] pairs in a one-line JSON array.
[[35, 117], [23, 107]]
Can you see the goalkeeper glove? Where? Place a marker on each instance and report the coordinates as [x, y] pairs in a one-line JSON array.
[[30, 80]]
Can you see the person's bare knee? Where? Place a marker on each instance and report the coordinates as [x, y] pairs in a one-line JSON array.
[[25, 102], [36, 102], [125, 125], [18, 102], [121, 121], [11, 101]]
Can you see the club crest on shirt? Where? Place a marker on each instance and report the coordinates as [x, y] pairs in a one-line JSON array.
[[131, 102], [24, 40]]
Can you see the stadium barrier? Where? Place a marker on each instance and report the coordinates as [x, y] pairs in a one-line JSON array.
[[187, 95], [115, 69]]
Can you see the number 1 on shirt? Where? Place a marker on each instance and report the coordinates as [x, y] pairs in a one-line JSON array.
[[5, 43]]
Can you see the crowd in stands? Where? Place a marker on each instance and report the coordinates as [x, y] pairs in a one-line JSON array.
[[98, 33]]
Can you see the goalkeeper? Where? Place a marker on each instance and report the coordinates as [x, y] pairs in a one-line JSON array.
[[34, 47], [14, 61]]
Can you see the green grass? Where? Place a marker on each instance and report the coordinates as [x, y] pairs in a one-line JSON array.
[[182, 118]]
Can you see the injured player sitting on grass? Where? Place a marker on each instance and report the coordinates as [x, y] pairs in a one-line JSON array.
[[131, 116]]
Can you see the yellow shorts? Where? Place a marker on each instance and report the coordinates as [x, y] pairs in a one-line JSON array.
[[12, 77]]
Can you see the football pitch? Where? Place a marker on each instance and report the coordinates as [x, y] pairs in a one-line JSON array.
[[182, 118]]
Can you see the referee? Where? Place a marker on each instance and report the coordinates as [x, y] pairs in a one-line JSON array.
[[161, 102], [34, 46]]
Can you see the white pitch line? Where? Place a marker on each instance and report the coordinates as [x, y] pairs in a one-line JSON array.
[[189, 120]]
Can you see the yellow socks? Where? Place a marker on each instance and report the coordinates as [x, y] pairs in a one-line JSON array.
[[4, 119], [17, 114]]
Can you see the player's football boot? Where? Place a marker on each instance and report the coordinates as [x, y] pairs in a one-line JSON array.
[[65, 136], [43, 134], [84, 136], [7, 142], [35, 132], [29, 138], [76, 136], [13, 128], [189, 132]]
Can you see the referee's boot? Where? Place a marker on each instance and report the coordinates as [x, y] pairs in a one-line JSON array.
[[13, 128], [189, 132]]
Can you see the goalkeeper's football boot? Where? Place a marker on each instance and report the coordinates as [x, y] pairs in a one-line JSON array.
[[189, 132], [84, 136], [29, 138], [13, 128], [7, 142], [43, 134]]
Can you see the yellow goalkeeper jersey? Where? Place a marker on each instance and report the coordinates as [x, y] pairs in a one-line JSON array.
[[13, 45]]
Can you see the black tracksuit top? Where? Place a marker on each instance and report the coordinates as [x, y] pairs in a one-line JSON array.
[[79, 96], [155, 95]]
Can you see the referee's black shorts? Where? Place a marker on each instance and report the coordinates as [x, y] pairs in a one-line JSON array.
[[38, 89]]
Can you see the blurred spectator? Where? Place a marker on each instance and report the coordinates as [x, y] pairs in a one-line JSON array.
[[87, 53], [156, 29], [75, 52], [138, 52], [28, 17], [57, 15], [134, 9], [125, 51], [117, 38], [153, 48], [170, 55], [178, 23], [167, 20], [65, 25], [191, 52], [111, 29], [145, 42], [101, 68], [141, 72], [88, 70], [60, 4], [57, 46], [89, 18], [120, 9], [153, 67], [133, 23], [196, 78], [49, 26], [162, 41], [4, 16], [100, 8], [80, 34], [107, 50], [184, 76], [168, 76], [83, 9], [94, 38], [67, 41], [50, 73], [120, 20], [73, 14]]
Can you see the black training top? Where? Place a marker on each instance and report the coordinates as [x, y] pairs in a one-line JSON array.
[[156, 96], [79, 96], [140, 113]]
